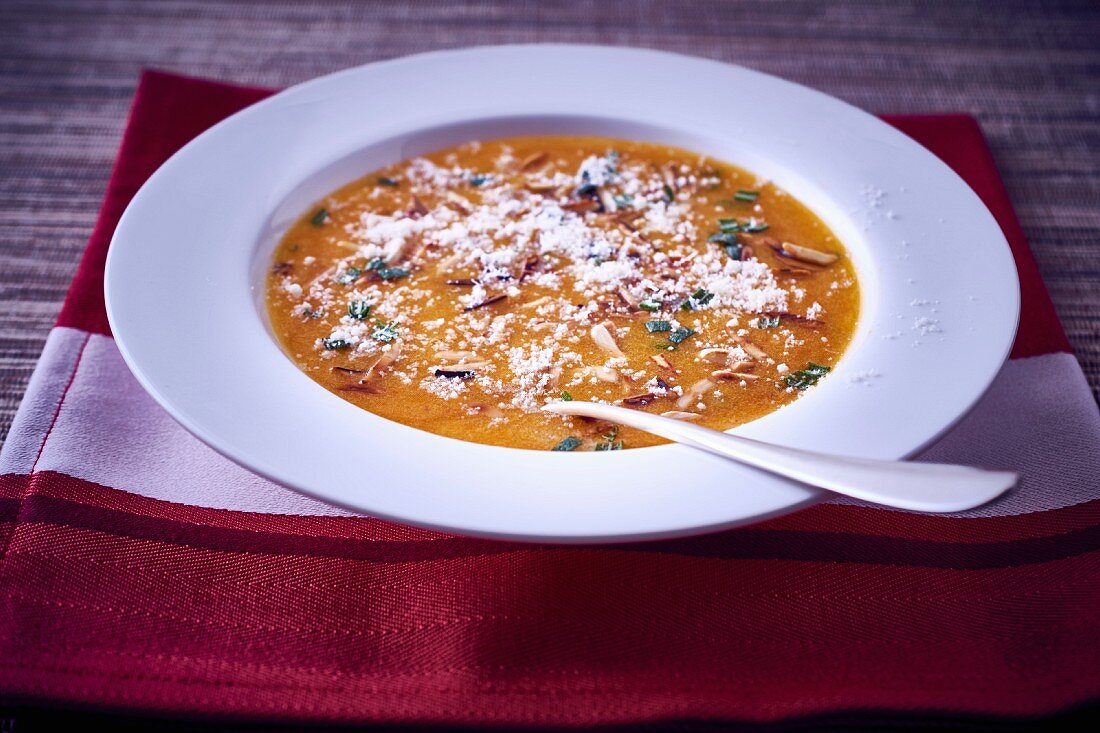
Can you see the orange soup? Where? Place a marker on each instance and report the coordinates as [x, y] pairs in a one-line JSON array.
[[461, 291]]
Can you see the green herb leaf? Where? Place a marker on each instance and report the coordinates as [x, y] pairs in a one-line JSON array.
[[680, 335], [624, 201], [767, 322], [754, 226], [743, 195], [319, 217], [568, 444], [383, 181], [658, 326], [392, 273], [358, 309], [609, 440], [734, 251], [702, 296], [376, 264], [478, 179], [313, 314], [350, 275], [333, 344], [805, 378], [566, 397], [723, 238], [669, 194], [384, 332], [728, 225], [650, 305]]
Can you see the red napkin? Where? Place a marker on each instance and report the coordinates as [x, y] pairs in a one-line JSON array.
[[140, 572]]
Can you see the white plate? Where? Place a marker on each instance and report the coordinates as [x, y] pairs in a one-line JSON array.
[[185, 275]]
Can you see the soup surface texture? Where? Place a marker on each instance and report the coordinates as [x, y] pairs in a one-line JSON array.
[[460, 291]]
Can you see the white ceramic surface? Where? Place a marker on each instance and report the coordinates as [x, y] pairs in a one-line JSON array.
[[186, 266]]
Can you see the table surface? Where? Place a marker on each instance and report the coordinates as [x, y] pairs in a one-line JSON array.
[[1029, 71]]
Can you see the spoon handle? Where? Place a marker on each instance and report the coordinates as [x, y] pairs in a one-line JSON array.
[[925, 487]]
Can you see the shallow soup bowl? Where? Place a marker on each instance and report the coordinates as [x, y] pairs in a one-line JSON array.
[[939, 292]]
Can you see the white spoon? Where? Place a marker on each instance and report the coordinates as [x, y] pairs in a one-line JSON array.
[[925, 487]]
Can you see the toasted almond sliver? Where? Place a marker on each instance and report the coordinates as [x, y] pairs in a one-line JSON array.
[[537, 302], [533, 160], [466, 366], [806, 254], [416, 205], [601, 334], [460, 202], [606, 374], [627, 298], [740, 367], [697, 390], [752, 349], [715, 355], [725, 374], [681, 415], [607, 200], [454, 355], [660, 361], [490, 411], [387, 358]]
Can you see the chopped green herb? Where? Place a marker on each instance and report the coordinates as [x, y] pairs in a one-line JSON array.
[[728, 225], [624, 201], [658, 326], [392, 273], [319, 218], [478, 179], [383, 181], [650, 305], [743, 195], [680, 335], [358, 309], [313, 314], [610, 442], [384, 332], [376, 264], [569, 443], [723, 238], [767, 322], [585, 189], [613, 161], [754, 226], [350, 275], [734, 251], [566, 397], [702, 296], [669, 194], [806, 378], [333, 344]]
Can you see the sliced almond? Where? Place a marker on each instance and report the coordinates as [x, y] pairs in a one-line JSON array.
[[467, 366], [627, 298], [715, 355], [813, 256], [606, 374], [536, 302], [534, 160], [740, 367], [461, 203], [680, 415], [638, 400], [660, 361], [384, 361], [603, 338], [697, 390], [752, 349], [607, 200], [417, 206], [454, 355]]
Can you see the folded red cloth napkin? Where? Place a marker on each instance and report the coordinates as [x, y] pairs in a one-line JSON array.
[[140, 571]]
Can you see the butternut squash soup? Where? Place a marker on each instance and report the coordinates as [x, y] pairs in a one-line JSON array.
[[461, 291]]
